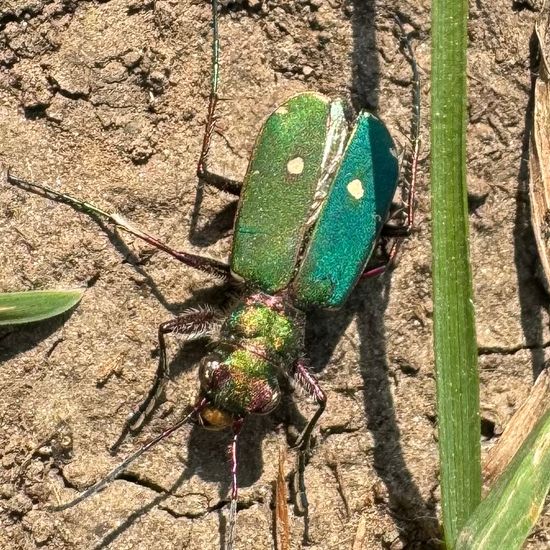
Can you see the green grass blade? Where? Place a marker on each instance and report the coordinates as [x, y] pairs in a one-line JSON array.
[[511, 508], [35, 305], [454, 327]]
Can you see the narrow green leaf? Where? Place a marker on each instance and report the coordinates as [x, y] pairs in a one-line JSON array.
[[511, 508], [35, 305], [454, 328]]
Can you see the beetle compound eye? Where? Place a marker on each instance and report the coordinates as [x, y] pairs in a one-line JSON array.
[[275, 398], [271, 403], [206, 372]]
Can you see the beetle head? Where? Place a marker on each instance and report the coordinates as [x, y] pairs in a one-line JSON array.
[[233, 393]]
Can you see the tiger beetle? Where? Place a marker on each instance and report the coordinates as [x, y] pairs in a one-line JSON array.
[[313, 211]]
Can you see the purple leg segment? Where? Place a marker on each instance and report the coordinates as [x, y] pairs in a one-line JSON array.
[[207, 265], [191, 325]]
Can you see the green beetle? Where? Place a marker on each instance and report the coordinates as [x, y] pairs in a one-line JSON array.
[[313, 204]]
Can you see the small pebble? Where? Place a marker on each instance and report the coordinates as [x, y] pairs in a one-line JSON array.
[[19, 504], [40, 524]]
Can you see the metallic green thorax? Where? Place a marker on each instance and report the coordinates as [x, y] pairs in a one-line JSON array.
[[294, 147], [351, 218], [273, 333], [257, 343]]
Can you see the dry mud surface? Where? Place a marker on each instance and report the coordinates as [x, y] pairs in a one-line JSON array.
[[107, 100]]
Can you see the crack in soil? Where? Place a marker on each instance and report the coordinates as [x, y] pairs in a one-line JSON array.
[[496, 350]]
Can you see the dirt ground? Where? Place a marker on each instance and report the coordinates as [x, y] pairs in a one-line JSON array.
[[107, 101]]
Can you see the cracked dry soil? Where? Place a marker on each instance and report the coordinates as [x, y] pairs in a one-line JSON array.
[[107, 100]]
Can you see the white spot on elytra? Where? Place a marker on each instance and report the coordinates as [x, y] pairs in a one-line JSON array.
[[295, 166], [281, 111], [355, 189]]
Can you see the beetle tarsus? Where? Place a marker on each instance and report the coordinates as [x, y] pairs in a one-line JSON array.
[[218, 269], [101, 484], [191, 325]]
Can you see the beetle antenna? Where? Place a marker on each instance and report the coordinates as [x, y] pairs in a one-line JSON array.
[[121, 467], [234, 487]]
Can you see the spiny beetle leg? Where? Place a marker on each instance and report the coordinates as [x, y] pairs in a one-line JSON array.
[[303, 377], [207, 265], [193, 324], [220, 182]]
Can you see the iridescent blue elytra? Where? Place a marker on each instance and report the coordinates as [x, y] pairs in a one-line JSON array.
[[351, 218]]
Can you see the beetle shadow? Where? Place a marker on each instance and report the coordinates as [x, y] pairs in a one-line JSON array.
[[415, 518], [364, 57], [210, 459], [209, 453], [220, 226], [532, 297], [215, 229]]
